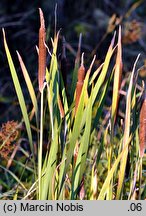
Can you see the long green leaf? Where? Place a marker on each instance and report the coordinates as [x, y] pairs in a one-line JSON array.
[[29, 86], [117, 82], [18, 91], [104, 70], [83, 149], [126, 134]]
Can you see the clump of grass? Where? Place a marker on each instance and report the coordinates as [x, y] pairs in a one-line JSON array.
[[71, 162]]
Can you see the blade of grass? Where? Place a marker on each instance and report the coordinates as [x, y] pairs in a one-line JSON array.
[[101, 101], [114, 106], [95, 74], [126, 135], [19, 92], [29, 85], [104, 70], [82, 154], [117, 83]]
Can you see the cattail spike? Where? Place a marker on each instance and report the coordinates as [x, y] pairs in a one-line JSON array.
[[80, 82], [42, 52], [81, 71], [142, 127], [42, 21]]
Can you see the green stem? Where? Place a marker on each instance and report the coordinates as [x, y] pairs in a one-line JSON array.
[[140, 177], [41, 145]]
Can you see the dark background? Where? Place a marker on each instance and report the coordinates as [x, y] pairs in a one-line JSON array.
[[21, 22]]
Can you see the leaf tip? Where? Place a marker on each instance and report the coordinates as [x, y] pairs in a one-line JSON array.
[[4, 35]]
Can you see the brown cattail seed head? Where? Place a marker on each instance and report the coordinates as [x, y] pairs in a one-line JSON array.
[[142, 127], [81, 71], [42, 52], [80, 82]]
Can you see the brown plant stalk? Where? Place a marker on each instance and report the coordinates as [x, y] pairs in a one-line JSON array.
[[80, 82], [42, 52], [142, 127]]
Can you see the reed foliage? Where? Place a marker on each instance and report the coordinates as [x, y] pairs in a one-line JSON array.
[[79, 154]]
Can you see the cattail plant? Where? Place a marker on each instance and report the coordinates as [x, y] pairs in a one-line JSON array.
[[42, 52], [80, 82], [69, 168], [41, 78], [142, 127]]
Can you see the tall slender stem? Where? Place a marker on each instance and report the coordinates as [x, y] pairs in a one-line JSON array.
[[40, 146]]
